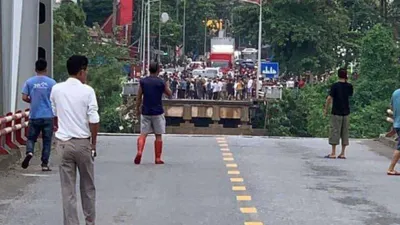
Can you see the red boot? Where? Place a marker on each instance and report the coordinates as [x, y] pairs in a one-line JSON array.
[[158, 151], [141, 141]]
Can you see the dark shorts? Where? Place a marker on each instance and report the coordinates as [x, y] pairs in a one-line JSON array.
[[398, 139]]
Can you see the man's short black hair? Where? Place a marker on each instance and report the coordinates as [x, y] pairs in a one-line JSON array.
[[77, 63], [153, 67], [342, 73], [41, 65]]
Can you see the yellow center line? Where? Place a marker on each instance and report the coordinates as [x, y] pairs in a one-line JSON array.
[[243, 198], [232, 165], [233, 172], [237, 179], [238, 188], [228, 159], [248, 210]]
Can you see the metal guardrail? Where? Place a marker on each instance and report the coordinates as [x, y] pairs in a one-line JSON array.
[[130, 88], [269, 92], [13, 130]]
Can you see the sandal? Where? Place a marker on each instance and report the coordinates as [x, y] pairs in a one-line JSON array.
[[341, 157], [46, 168], [393, 173], [329, 157]]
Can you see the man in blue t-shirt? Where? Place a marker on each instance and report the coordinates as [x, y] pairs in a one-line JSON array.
[[395, 102], [151, 112], [36, 91]]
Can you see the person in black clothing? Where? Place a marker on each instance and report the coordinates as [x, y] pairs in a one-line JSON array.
[[230, 87], [339, 95]]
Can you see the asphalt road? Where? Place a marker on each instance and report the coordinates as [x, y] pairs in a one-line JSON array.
[[224, 181]]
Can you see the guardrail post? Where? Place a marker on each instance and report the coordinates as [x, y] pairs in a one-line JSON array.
[[9, 136], [389, 119], [26, 119], [3, 151], [18, 132]]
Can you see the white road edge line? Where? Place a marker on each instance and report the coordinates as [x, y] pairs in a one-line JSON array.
[[35, 175]]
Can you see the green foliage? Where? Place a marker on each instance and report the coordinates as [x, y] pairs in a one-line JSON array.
[[309, 35], [301, 114], [71, 37], [97, 11]]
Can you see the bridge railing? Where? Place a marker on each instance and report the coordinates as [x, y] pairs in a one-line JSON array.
[[13, 130], [269, 92]]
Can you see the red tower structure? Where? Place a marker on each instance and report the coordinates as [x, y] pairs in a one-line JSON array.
[[124, 21]]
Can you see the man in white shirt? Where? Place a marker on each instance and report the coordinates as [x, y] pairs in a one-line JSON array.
[[250, 88], [220, 86], [75, 105], [215, 89]]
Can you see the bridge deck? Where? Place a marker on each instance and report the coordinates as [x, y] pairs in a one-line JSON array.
[[287, 179]]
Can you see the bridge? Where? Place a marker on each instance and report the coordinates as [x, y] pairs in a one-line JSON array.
[[207, 179]]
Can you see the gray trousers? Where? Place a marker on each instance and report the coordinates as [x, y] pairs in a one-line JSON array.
[[76, 153], [339, 130]]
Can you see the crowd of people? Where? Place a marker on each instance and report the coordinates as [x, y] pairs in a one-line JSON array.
[[239, 84]]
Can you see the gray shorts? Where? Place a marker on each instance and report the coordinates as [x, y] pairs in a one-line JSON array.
[[152, 124], [339, 130]]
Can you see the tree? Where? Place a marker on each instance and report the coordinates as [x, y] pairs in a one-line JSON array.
[[97, 11], [363, 15], [71, 36], [379, 68], [304, 34]]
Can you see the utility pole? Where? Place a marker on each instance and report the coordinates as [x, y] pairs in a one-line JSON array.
[[159, 32], [143, 50], [141, 31], [114, 15], [205, 37], [148, 32], [184, 28], [177, 10]]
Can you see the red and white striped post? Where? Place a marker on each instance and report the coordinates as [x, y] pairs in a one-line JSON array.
[[11, 130]]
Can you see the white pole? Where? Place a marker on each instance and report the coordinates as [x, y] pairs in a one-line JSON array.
[[259, 51], [159, 32], [114, 19], [148, 33], [143, 50], [141, 32], [205, 37], [184, 27]]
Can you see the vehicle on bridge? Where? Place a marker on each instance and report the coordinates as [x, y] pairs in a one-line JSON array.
[[222, 53], [250, 54]]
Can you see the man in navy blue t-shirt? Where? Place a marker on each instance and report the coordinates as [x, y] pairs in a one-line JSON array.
[[151, 112], [36, 91]]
